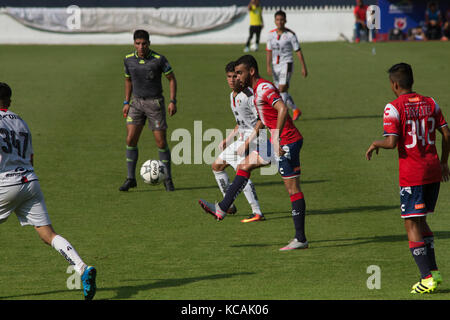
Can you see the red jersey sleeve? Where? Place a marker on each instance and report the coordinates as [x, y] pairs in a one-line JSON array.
[[391, 121], [440, 120], [270, 94]]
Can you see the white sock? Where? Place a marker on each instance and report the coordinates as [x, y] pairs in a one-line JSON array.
[[290, 102], [250, 194], [69, 253], [223, 181], [287, 99]]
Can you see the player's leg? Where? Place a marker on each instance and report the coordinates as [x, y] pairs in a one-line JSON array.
[[33, 211], [289, 168], [283, 85], [243, 170], [223, 181], [414, 212], [431, 193], [135, 123], [132, 153], [250, 36], [164, 156], [258, 36], [156, 114]]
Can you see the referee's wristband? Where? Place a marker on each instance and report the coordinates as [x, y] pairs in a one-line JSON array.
[[125, 102]]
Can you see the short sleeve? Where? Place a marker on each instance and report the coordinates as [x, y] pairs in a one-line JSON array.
[[439, 117], [165, 66], [268, 44], [391, 121], [270, 94], [126, 71], [295, 43]]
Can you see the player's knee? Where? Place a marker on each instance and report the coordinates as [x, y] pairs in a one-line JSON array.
[[218, 166]]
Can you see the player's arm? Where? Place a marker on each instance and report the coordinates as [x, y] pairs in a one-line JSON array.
[[389, 142], [226, 142], [128, 91], [172, 107], [281, 120], [445, 131], [269, 61], [301, 58]]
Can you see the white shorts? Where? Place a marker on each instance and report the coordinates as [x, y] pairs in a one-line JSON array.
[[27, 201], [230, 156], [282, 73]]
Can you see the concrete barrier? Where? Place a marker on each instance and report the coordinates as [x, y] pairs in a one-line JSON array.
[[311, 24]]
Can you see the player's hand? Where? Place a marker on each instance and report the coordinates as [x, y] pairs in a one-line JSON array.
[[370, 150], [125, 110], [242, 149], [304, 72], [445, 172], [172, 108], [223, 145]]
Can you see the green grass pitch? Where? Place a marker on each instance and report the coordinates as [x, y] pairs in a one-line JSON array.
[[150, 244]]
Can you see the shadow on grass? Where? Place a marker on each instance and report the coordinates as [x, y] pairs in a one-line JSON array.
[[343, 118], [127, 292], [375, 239], [266, 183], [360, 209]]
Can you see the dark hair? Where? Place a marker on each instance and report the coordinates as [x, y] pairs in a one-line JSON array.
[[141, 34], [280, 13], [230, 66], [402, 74], [5, 93], [249, 61]]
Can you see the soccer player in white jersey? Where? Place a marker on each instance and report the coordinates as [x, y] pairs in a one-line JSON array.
[[247, 126], [280, 63], [21, 193]]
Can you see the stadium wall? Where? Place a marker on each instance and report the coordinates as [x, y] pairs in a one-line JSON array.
[[311, 24]]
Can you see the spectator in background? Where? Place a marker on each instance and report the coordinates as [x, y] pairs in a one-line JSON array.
[[360, 12], [433, 21], [256, 23], [396, 34], [446, 29], [416, 34]]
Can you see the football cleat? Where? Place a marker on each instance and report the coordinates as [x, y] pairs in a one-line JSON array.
[[168, 183], [246, 49], [424, 286], [296, 114], [232, 209], [254, 217], [213, 209], [295, 244], [89, 285], [437, 276], [129, 183]]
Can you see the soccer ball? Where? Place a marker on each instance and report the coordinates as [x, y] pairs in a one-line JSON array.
[[153, 172]]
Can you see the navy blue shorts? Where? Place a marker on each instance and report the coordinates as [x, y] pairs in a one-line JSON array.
[[289, 163], [418, 201]]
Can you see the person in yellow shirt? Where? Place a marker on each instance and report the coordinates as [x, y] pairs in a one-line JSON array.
[[256, 23]]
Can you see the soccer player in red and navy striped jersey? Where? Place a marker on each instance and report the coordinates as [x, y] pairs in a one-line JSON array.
[[410, 124], [283, 149]]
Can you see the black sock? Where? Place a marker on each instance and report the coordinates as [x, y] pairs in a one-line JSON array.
[[428, 238], [164, 156], [234, 189], [298, 215], [132, 157], [419, 253]]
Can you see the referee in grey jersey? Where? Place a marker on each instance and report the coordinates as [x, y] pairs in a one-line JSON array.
[[143, 72]]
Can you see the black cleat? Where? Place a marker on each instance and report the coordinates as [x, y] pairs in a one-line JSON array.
[[129, 183], [232, 209], [168, 183]]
